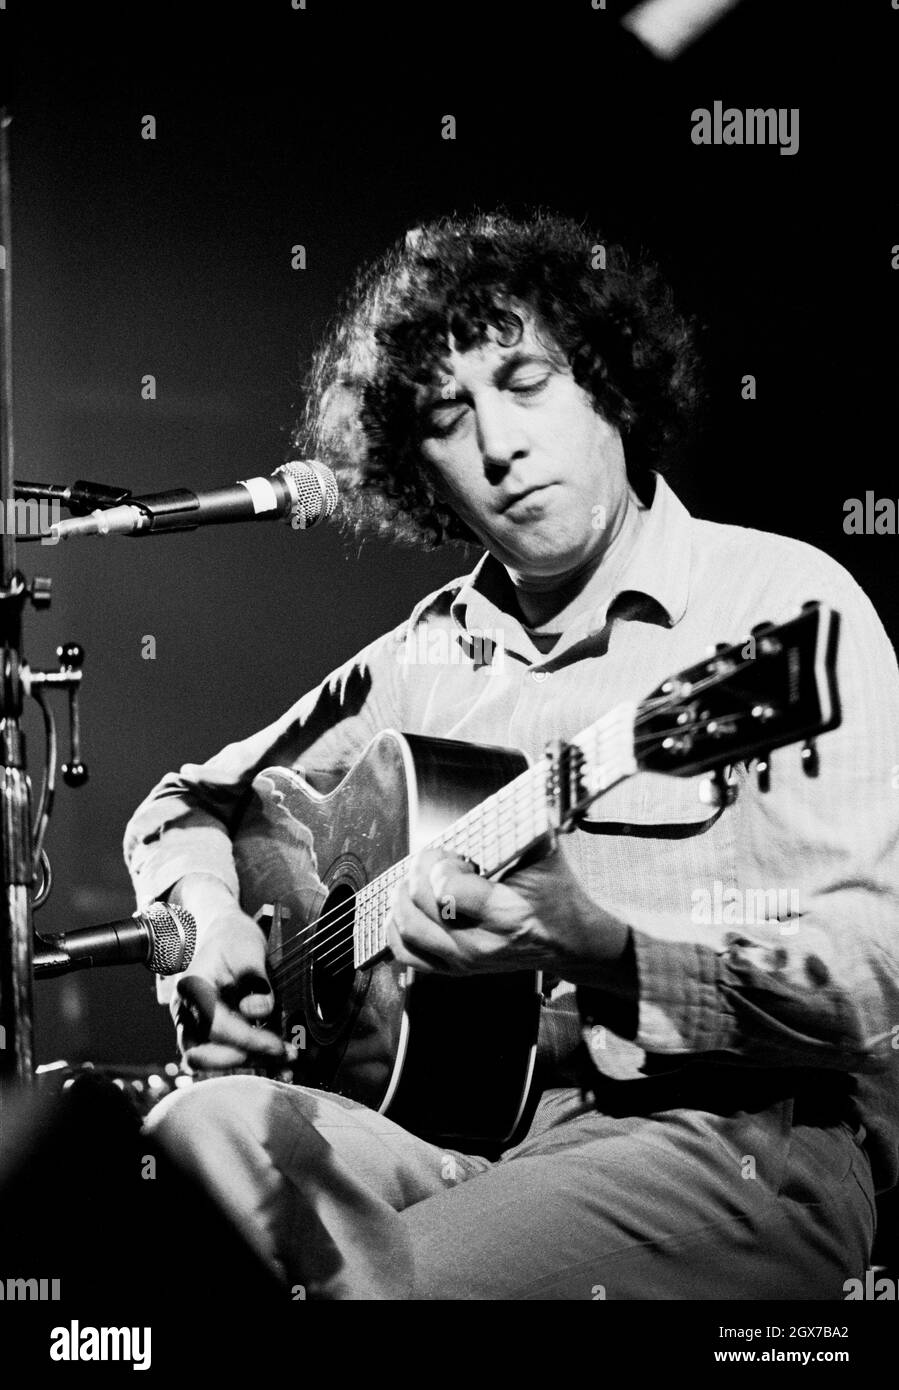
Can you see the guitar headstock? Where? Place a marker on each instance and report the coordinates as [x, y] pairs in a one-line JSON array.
[[776, 687]]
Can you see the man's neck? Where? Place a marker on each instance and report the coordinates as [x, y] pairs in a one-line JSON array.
[[551, 604]]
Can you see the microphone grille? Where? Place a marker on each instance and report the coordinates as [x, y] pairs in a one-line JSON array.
[[173, 933], [315, 492]]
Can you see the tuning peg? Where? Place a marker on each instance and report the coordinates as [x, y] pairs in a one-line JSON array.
[[719, 789], [766, 645], [763, 774], [811, 763]]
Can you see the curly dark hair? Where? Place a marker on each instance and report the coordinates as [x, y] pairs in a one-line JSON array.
[[626, 343]]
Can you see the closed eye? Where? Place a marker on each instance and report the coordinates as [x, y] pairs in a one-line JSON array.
[[529, 388], [444, 419], [441, 423]]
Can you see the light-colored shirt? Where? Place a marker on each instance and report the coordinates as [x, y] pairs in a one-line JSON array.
[[811, 981]]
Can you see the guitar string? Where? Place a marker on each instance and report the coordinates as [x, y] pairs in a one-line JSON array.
[[511, 793], [472, 843], [522, 798], [346, 911]]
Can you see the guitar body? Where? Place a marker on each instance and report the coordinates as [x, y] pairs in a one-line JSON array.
[[450, 1059]]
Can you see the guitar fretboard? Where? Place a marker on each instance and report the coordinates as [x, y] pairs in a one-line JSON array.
[[504, 827]]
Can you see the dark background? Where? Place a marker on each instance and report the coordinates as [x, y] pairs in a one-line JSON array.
[[323, 127]]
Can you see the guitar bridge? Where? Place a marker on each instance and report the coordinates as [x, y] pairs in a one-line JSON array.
[[564, 784]]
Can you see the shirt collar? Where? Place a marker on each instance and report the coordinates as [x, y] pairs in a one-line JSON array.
[[658, 567]]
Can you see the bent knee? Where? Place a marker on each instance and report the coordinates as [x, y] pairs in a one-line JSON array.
[[236, 1113], [226, 1103]]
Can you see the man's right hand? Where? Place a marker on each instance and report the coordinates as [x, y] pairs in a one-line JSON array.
[[226, 990]]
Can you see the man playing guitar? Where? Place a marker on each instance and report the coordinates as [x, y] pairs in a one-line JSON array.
[[488, 384]]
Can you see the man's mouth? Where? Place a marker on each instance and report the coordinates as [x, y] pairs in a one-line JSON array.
[[517, 497]]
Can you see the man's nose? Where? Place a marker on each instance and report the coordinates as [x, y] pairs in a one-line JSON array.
[[500, 432]]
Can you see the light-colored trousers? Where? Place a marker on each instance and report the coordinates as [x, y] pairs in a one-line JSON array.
[[343, 1204]]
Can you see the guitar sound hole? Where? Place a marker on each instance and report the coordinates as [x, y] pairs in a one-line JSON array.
[[333, 971]]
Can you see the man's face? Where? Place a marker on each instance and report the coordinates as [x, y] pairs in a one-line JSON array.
[[523, 457]]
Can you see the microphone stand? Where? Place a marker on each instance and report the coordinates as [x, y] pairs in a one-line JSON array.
[[80, 498], [16, 1036], [17, 836]]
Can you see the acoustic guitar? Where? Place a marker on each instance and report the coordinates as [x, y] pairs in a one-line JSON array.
[[453, 1059]]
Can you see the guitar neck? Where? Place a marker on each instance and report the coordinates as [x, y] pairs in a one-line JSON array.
[[498, 831]]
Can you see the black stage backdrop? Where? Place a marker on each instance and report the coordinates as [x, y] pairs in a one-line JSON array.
[[280, 125], [322, 127]]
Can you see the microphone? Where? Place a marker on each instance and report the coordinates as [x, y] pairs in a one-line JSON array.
[[162, 938], [298, 492]]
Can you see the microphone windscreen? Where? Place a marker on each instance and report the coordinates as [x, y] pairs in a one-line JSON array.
[[173, 932], [316, 489]]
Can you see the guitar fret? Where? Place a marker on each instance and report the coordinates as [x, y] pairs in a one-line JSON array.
[[366, 925], [506, 823], [371, 925]]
